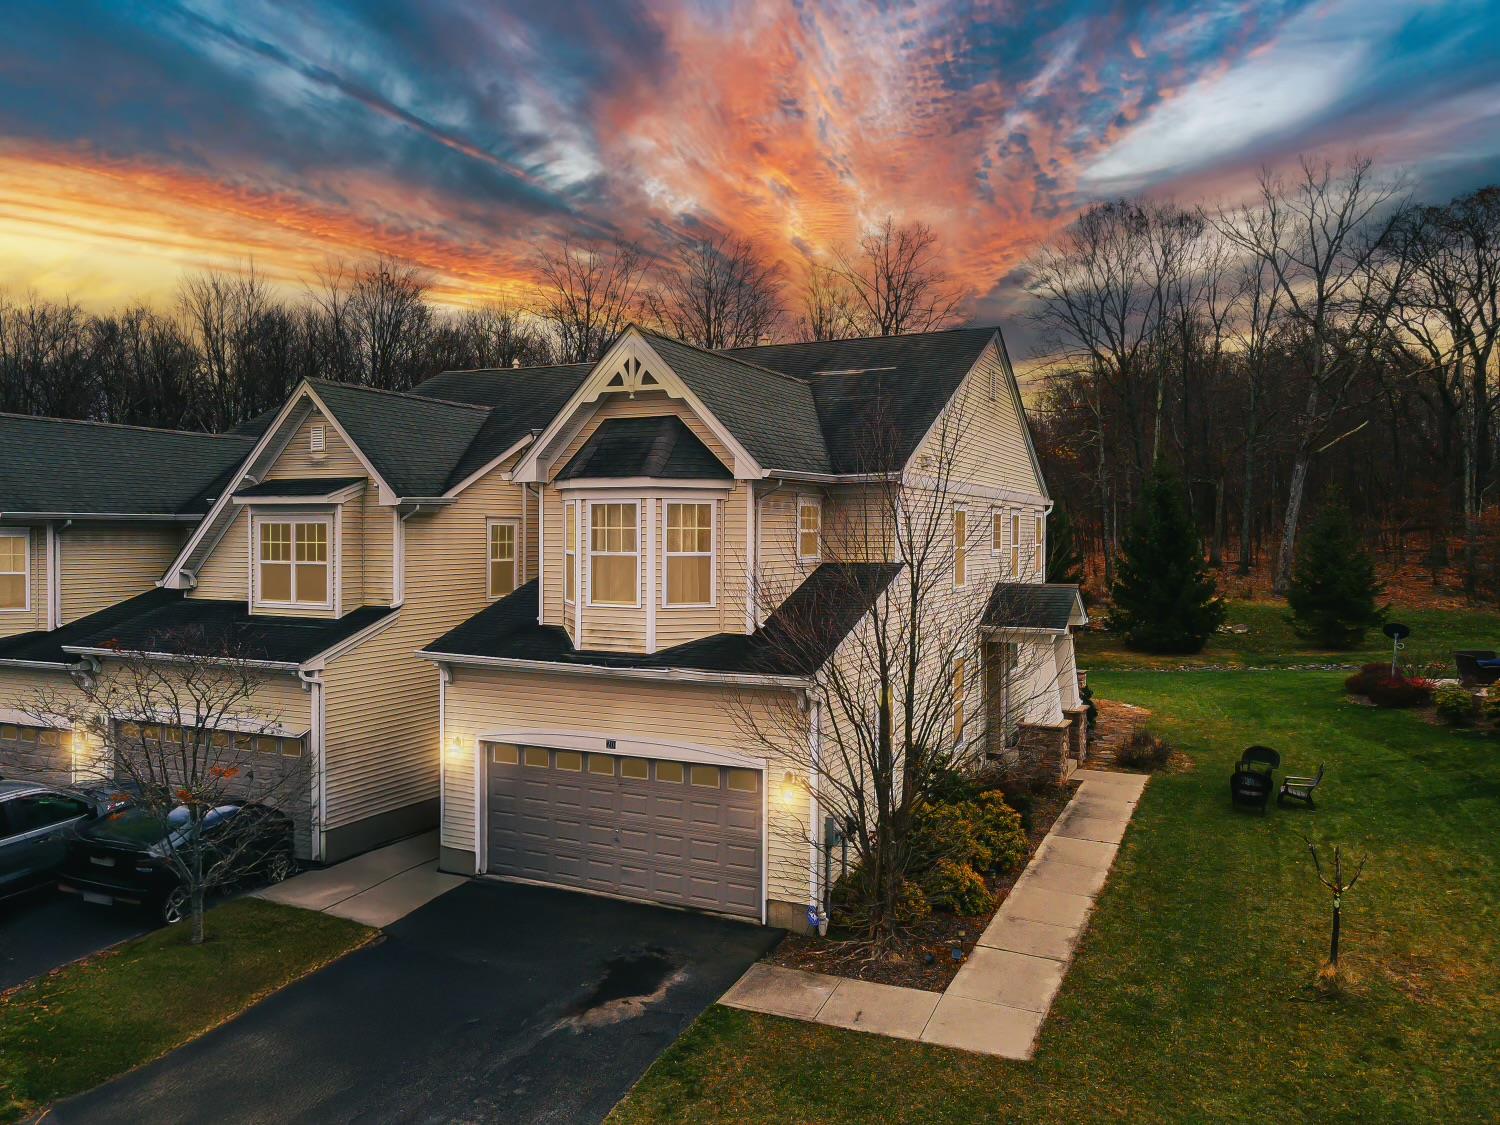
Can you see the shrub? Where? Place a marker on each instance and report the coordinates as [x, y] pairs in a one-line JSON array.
[[957, 887], [1399, 691], [1000, 832], [1455, 705], [1143, 751], [1359, 683], [852, 897], [952, 787], [947, 832], [1489, 707]]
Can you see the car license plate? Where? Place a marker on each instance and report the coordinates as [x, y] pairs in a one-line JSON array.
[[102, 861], [102, 900]]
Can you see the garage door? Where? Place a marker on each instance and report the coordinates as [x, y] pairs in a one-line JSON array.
[[31, 753], [655, 829]]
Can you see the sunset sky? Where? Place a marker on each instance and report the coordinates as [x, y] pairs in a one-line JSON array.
[[141, 140]]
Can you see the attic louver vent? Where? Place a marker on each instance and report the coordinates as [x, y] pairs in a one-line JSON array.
[[315, 440]]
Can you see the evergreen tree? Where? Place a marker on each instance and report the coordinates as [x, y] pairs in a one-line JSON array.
[[1165, 599], [1333, 590], [1064, 559]]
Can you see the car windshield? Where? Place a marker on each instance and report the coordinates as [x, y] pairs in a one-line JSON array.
[[136, 824]]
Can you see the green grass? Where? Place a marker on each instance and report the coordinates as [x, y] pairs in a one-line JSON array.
[[1271, 642], [1189, 999], [86, 1023]]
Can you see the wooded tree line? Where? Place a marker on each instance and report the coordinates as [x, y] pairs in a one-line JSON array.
[[229, 347], [1328, 331]]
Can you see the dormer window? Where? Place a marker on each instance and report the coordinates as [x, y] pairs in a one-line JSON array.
[[292, 563], [614, 555], [14, 569], [690, 554]]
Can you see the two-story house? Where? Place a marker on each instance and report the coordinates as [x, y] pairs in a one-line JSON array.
[[594, 720], [90, 516]]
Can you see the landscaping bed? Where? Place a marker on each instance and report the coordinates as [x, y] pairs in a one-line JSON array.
[[83, 1024], [928, 963]]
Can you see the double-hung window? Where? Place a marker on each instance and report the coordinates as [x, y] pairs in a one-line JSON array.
[[690, 554], [570, 551], [15, 569], [960, 691], [960, 547], [1038, 549], [292, 562], [809, 530], [502, 557], [1015, 545], [614, 555]]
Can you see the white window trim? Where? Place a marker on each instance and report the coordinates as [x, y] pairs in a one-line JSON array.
[[516, 581], [713, 555], [23, 534], [329, 520], [588, 551], [815, 502], [953, 517]]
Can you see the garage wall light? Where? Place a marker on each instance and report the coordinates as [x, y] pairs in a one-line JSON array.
[[456, 748], [791, 788]]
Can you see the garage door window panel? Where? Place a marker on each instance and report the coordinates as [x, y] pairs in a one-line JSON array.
[[536, 757]]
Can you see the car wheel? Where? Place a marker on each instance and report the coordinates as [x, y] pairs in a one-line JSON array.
[[174, 908], [279, 867]]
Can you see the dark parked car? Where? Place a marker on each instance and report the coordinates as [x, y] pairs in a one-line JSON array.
[[36, 823], [126, 855]]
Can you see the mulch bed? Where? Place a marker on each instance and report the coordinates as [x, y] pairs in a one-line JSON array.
[[928, 962]]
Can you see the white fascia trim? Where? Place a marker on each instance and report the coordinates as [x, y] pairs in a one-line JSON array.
[[490, 465], [593, 742], [112, 517], [831, 478], [47, 664], [173, 578], [746, 466], [346, 493], [646, 486], [179, 658], [1021, 631], [667, 675], [320, 661]]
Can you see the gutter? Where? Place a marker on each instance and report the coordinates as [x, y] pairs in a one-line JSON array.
[[135, 517], [833, 478], [662, 675], [181, 658]]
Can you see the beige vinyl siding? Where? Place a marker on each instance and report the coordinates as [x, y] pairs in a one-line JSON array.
[[989, 431], [352, 552], [298, 460], [378, 539], [483, 702], [103, 564], [225, 574], [381, 706], [34, 616], [553, 548]]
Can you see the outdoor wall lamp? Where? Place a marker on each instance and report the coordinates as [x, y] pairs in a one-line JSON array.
[[791, 785]]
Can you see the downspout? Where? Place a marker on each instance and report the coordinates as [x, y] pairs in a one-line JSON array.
[[817, 909], [312, 682], [54, 573]]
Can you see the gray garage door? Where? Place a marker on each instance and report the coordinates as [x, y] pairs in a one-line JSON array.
[[653, 829], [30, 753]]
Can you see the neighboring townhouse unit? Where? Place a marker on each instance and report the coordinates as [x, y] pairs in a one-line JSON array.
[[90, 516], [594, 719]]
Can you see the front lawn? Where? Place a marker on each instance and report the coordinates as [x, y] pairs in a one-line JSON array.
[[86, 1023], [1189, 998], [1272, 643]]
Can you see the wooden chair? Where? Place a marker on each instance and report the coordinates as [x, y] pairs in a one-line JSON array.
[[1300, 788]]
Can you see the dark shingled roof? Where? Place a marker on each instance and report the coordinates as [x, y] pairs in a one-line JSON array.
[[796, 640], [44, 646], [182, 626], [1032, 605], [302, 487], [900, 382], [522, 399], [94, 468], [645, 447]]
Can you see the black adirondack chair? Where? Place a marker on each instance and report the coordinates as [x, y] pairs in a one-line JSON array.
[[1300, 788], [1260, 758], [1253, 780]]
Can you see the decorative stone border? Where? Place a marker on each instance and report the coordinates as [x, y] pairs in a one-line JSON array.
[[998, 1000]]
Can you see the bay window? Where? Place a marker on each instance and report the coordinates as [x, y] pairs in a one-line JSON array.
[[570, 551], [614, 555], [292, 562], [689, 554]]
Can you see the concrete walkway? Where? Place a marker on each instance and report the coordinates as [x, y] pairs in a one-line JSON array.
[[375, 888], [998, 1000]]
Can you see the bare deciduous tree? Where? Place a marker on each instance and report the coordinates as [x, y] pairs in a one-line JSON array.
[[897, 281], [590, 293], [717, 293], [829, 307], [188, 736]]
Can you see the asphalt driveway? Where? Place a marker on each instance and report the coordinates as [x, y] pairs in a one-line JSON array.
[[495, 1002], [40, 931]]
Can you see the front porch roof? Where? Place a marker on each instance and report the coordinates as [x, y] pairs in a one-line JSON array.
[[796, 640], [1036, 607], [182, 626]]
